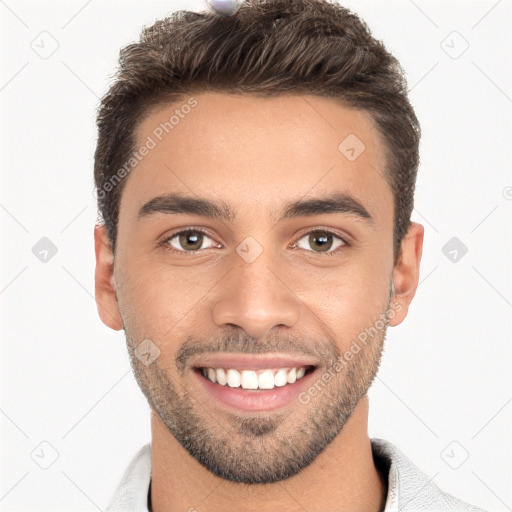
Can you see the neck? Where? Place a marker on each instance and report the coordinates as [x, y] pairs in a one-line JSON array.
[[342, 478]]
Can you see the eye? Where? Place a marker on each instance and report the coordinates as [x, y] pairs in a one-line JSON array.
[[322, 241], [190, 240]]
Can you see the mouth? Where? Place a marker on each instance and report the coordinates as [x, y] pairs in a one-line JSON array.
[[254, 385]]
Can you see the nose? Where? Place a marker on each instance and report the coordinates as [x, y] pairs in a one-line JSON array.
[[256, 297]]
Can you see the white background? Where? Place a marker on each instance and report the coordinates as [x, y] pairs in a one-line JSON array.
[[66, 378]]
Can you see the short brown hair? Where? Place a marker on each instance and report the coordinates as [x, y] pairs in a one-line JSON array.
[[269, 48]]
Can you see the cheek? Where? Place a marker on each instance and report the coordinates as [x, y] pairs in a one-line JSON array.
[[353, 301], [163, 299]]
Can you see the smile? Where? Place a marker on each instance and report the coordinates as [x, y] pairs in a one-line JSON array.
[[252, 383], [255, 379]]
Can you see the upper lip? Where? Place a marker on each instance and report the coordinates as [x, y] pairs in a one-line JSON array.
[[252, 361]]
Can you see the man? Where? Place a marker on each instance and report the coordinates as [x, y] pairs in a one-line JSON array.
[[255, 177]]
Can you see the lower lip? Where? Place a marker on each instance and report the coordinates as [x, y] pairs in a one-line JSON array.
[[255, 399]]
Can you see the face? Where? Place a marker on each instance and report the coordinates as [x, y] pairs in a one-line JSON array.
[[254, 255]]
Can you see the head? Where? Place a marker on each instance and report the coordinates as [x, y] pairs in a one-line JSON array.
[[255, 177]]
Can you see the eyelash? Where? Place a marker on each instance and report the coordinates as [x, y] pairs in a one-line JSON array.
[[166, 246]]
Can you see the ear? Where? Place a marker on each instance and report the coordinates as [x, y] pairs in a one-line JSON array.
[[104, 288], [406, 272]]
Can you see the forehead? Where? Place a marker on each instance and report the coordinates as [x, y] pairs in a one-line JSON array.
[[257, 151]]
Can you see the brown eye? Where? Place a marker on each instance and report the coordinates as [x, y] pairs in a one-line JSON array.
[[188, 241], [321, 241]]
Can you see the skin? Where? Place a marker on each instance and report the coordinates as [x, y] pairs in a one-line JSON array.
[[256, 154]]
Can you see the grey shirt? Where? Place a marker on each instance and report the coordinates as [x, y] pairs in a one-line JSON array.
[[409, 489]]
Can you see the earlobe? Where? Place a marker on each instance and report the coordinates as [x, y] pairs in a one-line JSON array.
[[406, 272], [105, 292]]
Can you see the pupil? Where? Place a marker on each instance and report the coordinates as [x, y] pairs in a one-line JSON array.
[[323, 239]]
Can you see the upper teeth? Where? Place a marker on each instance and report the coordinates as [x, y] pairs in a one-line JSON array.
[[254, 379]]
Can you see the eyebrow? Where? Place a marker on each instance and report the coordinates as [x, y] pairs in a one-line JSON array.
[[176, 203]]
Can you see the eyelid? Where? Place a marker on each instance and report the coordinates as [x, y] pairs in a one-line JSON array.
[[330, 231]]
